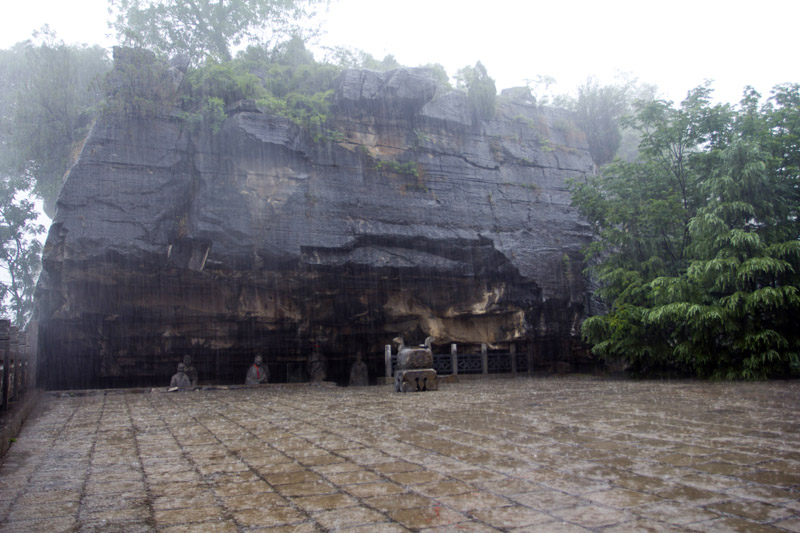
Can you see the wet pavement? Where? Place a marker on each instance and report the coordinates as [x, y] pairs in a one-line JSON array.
[[543, 454]]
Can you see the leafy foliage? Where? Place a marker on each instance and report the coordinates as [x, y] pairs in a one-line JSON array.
[[140, 84], [49, 94], [207, 29], [481, 91], [48, 98], [409, 168], [344, 57], [601, 110], [285, 81], [439, 74], [697, 247], [20, 251]]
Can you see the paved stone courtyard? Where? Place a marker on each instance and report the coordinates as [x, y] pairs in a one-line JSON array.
[[542, 454]]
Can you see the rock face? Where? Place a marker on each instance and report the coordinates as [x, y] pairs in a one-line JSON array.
[[401, 217]]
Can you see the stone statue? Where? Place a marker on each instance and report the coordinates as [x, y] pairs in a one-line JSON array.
[[359, 375], [180, 381], [191, 371], [317, 366], [415, 370], [258, 372], [410, 357]]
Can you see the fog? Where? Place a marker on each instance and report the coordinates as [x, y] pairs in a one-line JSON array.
[[675, 46]]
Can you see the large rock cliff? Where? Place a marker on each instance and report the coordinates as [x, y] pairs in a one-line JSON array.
[[401, 216]]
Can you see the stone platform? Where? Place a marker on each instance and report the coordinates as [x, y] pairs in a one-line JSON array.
[[555, 454]]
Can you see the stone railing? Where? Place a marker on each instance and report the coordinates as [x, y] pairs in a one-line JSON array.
[[485, 362], [15, 361]]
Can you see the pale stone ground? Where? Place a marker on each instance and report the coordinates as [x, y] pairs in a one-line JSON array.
[[547, 454]]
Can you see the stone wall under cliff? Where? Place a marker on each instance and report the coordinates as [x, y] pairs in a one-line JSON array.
[[402, 217]]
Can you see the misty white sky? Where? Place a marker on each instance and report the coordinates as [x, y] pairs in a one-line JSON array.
[[675, 45]]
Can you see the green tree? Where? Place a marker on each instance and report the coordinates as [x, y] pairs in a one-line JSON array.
[[284, 80], [782, 121], [16, 262], [203, 29], [13, 74], [50, 99], [600, 111], [389, 62], [697, 249], [140, 84], [345, 57], [481, 91], [20, 251], [439, 74]]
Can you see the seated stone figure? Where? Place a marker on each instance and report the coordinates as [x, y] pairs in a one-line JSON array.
[[317, 366], [180, 380], [191, 371], [258, 372], [359, 375]]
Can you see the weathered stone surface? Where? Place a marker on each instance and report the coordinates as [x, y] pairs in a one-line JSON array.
[[401, 92], [414, 358], [503, 452], [417, 380], [402, 216], [409, 358]]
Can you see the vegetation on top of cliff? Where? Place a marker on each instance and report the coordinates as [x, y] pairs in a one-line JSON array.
[[284, 81], [352, 58], [599, 108], [481, 91], [277, 70], [140, 84], [697, 248], [208, 29], [599, 111]]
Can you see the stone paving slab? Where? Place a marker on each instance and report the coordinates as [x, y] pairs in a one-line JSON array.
[[545, 454]]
